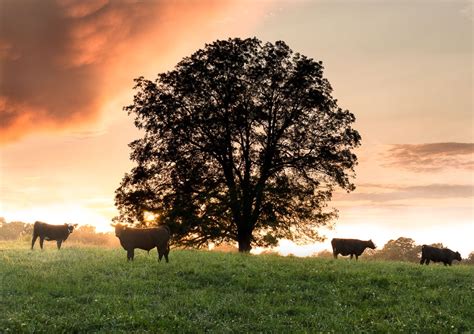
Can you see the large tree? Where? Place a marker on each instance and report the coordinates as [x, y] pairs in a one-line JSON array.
[[401, 249], [242, 142]]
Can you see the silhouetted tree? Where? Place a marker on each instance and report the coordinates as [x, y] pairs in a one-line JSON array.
[[87, 235], [401, 249], [438, 245], [13, 230], [243, 141], [324, 254], [470, 258]]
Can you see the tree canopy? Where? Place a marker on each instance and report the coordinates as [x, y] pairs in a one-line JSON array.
[[401, 249], [242, 142]]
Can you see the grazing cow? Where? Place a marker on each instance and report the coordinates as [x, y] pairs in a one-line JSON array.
[[350, 247], [445, 255], [144, 238], [51, 232]]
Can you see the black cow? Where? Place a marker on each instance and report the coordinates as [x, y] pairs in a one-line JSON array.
[[350, 247], [144, 238], [445, 255], [51, 232]]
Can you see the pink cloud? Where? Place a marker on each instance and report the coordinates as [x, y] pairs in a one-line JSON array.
[[431, 157]]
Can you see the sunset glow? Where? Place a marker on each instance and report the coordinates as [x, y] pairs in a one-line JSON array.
[[405, 70]]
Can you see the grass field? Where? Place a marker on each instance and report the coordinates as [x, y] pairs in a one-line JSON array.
[[93, 289]]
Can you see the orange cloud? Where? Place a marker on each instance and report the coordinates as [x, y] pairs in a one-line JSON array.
[[61, 61]]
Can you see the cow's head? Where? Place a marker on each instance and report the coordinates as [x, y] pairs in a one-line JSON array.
[[370, 244], [457, 256], [119, 229], [71, 227]]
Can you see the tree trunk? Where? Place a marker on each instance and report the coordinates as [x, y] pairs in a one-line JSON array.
[[245, 240]]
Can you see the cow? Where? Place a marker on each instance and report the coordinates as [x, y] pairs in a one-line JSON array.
[[350, 247], [51, 232], [445, 255], [144, 238]]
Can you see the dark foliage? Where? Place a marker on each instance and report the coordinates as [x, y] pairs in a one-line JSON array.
[[243, 142]]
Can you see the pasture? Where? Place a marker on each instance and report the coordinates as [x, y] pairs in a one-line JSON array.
[[86, 289]]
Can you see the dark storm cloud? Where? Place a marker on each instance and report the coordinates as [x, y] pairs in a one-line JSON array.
[[431, 157], [52, 58]]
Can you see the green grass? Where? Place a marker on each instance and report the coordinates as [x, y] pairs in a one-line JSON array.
[[97, 290]]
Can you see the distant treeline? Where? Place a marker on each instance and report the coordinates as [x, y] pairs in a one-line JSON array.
[[401, 249], [84, 234]]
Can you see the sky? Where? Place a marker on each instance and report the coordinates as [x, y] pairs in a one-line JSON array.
[[404, 68]]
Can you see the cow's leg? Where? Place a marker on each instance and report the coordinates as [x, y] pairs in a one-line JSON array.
[[422, 260], [130, 254], [35, 236], [41, 242], [427, 261], [160, 253], [357, 257], [59, 242], [167, 251], [334, 253], [352, 256]]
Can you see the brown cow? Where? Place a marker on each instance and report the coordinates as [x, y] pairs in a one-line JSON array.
[[445, 255], [51, 232], [350, 247], [144, 238]]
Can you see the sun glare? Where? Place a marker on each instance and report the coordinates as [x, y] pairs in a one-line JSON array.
[[150, 217]]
